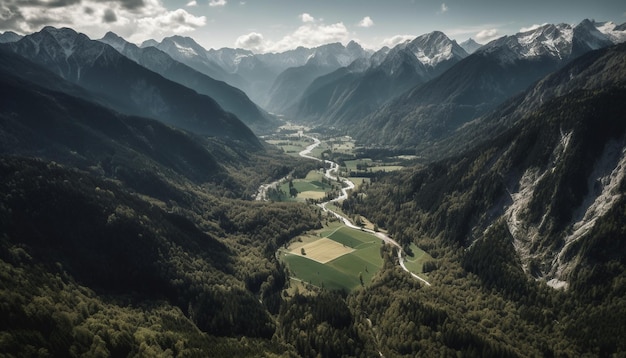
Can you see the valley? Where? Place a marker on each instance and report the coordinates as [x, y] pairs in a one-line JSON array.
[[431, 199], [340, 270]]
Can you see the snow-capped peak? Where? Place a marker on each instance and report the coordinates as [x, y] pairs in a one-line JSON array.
[[433, 48], [559, 42], [185, 51], [551, 40], [616, 33]]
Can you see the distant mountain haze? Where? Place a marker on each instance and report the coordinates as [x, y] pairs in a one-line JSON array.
[[228, 97], [346, 96], [126, 86]]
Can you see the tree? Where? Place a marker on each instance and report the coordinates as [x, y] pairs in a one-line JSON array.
[[302, 252]]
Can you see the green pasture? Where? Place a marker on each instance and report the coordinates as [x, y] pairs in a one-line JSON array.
[[353, 238], [386, 168], [291, 146], [415, 263], [351, 165], [359, 180], [318, 274], [312, 182], [344, 271]]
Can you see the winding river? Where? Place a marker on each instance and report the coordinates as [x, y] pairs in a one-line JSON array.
[[333, 173]]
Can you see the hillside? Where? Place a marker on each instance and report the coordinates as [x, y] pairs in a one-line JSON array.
[[89, 268], [541, 202]]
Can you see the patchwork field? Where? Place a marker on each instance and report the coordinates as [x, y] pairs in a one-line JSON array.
[[322, 250], [292, 146], [310, 187], [339, 259]]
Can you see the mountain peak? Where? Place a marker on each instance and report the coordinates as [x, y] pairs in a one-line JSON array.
[[9, 36], [559, 42], [435, 47], [110, 35], [115, 41], [148, 43], [470, 46]]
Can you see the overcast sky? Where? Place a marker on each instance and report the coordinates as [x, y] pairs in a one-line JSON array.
[[278, 25]]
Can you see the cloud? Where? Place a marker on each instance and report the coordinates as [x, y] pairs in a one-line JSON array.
[[306, 18], [444, 8], [252, 41], [136, 20], [366, 22], [484, 36], [311, 33], [214, 3], [109, 16], [530, 28], [396, 40], [192, 3], [131, 4]]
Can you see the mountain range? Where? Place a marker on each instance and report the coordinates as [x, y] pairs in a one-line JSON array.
[[125, 86], [345, 96], [550, 187], [127, 229], [433, 111], [229, 98]]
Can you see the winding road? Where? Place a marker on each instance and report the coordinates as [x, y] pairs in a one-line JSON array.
[[332, 173]]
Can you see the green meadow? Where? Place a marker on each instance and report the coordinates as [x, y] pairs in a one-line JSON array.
[[346, 271]]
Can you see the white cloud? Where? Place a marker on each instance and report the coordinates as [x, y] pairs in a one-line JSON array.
[[366, 22], [252, 41], [396, 40], [135, 20], [530, 28], [214, 3], [312, 33], [444, 8], [306, 18], [484, 36], [192, 3]]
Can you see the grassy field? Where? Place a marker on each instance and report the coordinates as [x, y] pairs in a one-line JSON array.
[[359, 180], [291, 146], [310, 187], [415, 263], [351, 165], [358, 259]]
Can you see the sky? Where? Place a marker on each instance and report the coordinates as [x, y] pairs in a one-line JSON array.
[[280, 25]]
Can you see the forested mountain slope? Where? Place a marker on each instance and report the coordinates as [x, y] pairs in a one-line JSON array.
[[122, 238], [228, 97], [552, 183]]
